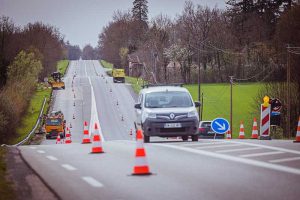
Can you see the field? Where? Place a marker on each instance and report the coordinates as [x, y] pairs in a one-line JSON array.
[[62, 66], [216, 103]]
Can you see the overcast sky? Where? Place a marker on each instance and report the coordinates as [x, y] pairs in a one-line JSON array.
[[81, 21]]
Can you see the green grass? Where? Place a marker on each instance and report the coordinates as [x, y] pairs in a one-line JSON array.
[[6, 188], [32, 113], [136, 84], [216, 103], [106, 64], [62, 66]]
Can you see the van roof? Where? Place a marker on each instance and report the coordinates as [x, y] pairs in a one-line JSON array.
[[163, 88]]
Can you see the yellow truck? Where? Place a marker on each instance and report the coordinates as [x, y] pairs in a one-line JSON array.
[[118, 75], [55, 124], [57, 83]]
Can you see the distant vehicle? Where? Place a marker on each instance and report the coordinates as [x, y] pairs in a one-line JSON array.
[[118, 75], [55, 124], [205, 131], [167, 111], [57, 82]]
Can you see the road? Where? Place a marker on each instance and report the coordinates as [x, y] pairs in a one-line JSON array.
[[208, 169]]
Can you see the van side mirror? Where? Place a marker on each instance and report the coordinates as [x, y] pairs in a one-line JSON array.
[[197, 104], [138, 106]]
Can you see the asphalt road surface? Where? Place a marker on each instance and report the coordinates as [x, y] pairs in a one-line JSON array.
[[208, 169]]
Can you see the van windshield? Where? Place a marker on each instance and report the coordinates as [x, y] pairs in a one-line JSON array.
[[168, 99]]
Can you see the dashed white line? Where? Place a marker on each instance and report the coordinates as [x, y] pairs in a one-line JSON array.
[[68, 167], [41, 151], [284, 160], [217, 146], [51, 158], [237, 150], [32, 147], [92, 181], [261, 154], [235, 159]]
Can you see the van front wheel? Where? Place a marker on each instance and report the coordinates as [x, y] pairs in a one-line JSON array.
[[146, 139]]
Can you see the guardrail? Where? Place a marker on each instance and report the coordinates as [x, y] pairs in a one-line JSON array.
[[34, 128]]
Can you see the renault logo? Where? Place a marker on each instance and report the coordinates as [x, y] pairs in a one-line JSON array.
[[172, 116]]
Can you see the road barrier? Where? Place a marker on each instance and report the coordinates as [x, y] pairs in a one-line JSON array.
[[254, 134], [34, 128], [242, 131], [97, 143], [86, 138], [297, 139], [141, 165]]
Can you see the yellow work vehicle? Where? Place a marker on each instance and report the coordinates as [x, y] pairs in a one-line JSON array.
[[57, 83], [118, 75], [55, 124]]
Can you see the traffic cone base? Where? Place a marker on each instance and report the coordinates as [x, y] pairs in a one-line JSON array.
[[241, 137], [86, 141], [141, 170], [97, 150]]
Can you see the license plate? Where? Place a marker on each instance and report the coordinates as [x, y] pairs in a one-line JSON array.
[[172, 125]]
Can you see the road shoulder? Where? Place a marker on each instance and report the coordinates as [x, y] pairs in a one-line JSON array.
[[27, 184]]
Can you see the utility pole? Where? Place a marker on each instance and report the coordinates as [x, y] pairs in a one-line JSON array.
[[231, 83], [288, 106], [199, 88]]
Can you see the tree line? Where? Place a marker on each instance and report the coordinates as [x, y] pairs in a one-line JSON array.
[[248, 40], [27, 55]]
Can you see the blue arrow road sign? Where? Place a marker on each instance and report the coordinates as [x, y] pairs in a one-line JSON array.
[[220, 125]]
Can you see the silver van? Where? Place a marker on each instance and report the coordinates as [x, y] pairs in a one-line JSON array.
[[167, 111]]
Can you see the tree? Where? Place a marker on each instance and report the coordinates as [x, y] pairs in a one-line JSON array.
[[140, 10], [89, 53], [73, 51]]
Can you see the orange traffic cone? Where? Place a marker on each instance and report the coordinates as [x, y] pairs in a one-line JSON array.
[[86, 138], [58, 139], [97, 144], [242, 132], [141, 165], [298, 132], [68, 136], [228, 134], [254, 130]]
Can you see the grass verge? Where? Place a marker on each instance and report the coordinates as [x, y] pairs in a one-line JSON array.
[[62, 66], [106, 65], [136, 84], [6, 188], [32, 113]]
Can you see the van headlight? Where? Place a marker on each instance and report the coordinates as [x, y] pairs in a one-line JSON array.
[[151, 115], [192, 114]]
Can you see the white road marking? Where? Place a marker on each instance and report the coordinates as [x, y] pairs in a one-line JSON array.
[[240, 149], [68, 167], [235, 159], [261, 154], [32, 147], [284, 160], [41, 151], [94, 112], [267, 147], [92, 181], [201, 143], [51, 158], [217, 146]]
